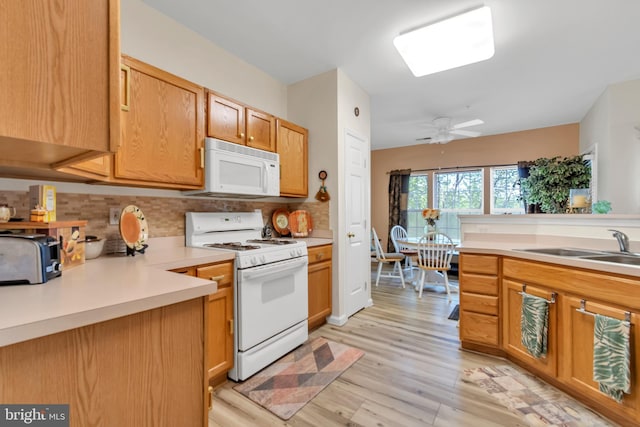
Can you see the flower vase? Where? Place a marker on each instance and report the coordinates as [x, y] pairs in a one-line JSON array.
[[430, 229]]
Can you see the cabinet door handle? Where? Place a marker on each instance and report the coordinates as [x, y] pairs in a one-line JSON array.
[[231, 327], [201, 157], [124, 106], [351, 235], [210, 390], [241, 135], [217, 278], [250, 138]]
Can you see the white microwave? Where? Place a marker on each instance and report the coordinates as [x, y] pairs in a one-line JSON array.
[[233, 170]]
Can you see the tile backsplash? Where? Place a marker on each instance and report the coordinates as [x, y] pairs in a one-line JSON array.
[[165, 215]]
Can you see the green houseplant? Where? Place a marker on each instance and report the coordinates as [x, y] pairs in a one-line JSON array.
[[550, 180]]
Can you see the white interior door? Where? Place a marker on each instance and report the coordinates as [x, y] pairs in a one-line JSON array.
[[357, 289]]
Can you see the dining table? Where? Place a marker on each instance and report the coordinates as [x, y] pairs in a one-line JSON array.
[[433, 277]]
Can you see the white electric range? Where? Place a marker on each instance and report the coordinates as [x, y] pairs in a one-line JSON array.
[[270, 286]]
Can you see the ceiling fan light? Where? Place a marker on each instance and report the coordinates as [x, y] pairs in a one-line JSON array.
[[463, 39]]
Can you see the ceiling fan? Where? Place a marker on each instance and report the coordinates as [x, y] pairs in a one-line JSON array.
[[446, 132]]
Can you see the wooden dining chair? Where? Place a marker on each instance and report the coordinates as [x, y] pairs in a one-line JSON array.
[[387, 258], [435, 251]]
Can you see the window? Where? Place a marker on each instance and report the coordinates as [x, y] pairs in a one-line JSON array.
[[418, 200], [505, 191], [455, 193]]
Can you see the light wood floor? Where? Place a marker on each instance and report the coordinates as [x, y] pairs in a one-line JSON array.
[[409, 375]]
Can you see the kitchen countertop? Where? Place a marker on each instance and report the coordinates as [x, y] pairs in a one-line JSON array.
[[102, 289], [315, 241], [108, 287], [509, 249]]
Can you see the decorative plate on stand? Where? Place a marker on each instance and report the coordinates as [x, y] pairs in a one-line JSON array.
[[134, 228], [300, 223], [280, 221]]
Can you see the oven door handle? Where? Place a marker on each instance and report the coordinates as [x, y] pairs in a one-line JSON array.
[[272, 268]]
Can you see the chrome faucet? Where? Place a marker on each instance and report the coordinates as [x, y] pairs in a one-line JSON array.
[[623, 240]]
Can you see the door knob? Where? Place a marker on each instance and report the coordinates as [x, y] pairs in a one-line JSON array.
[[351, 235]]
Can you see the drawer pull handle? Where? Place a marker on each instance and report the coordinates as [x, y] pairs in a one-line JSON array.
[[217, 278], [231, 327], [319, 256]]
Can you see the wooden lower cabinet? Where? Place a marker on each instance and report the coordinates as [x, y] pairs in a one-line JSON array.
[[219, 320], [144, 369], [490, 322], [319, 285], [511, 326], [576, 355], [479, 302]]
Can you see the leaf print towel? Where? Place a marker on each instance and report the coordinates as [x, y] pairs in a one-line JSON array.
[[611, 356], [534, 323]]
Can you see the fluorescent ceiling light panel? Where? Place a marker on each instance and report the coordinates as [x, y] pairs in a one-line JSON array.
[[454, 42]]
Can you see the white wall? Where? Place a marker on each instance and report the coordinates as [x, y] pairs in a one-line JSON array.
[[324, 104], [152, 37], [610, 124], [350, 96]]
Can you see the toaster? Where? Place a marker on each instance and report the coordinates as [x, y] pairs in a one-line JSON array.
[[28, 259]]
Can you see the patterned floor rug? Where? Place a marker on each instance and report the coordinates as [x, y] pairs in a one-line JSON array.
[[539, 403], [290, 383]]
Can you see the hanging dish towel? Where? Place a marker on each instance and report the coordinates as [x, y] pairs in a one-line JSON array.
[[534, 324], [611, 356]]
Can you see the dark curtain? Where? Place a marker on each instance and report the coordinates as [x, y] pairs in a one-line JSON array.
[[398, 200]]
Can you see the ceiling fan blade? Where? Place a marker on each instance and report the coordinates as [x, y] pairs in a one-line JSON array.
[[473, 122], [469, 133]]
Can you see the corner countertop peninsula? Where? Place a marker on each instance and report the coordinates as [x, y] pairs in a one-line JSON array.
[[109, 287], [104, 288], [506, 234]]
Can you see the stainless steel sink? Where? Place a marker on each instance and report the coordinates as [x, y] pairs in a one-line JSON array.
[[563, 252], [617, 258]]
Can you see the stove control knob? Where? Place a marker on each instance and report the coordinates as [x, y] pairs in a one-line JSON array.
[[292, 252], [254, 260], [299, 252], [263, 259]]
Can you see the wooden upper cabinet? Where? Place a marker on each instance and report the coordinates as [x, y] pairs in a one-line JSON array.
[[59, 81], [162, 130], [261, 130], [235, 122], [292, 147], [225, 119]]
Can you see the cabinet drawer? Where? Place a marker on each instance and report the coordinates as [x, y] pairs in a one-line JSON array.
[[478, 284], [483, 264], [319, 253], [479, 328], [479, 303], [222, 273]]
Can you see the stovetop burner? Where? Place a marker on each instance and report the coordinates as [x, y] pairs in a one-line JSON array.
[[236, 246], [272, 241]]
